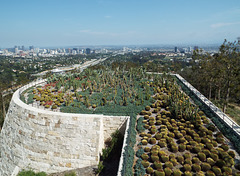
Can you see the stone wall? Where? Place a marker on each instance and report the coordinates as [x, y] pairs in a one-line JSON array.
[[49, 141]]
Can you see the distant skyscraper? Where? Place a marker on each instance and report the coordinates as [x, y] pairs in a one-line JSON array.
[[23, 48], [88, 50], [175, 49], [31, 47]]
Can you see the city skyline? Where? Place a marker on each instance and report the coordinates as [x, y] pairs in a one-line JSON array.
[[105, 22]]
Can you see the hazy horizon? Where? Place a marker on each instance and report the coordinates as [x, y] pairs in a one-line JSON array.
[[103, 22]]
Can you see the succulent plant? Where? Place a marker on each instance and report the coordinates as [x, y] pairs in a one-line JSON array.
[[206, 152], [195, 160], [220, 163], [157, 165], [216, 170], [205, 166], [177, 172], [202, 156], [227, 170], [147, 108], [150, 170], [188, 161], [159, 173], [145, 163], [174, 148], [187, 155], [209, 145], [154, 158], [196, 149], [232, 154], [180, 159], [188, 173], [164, 158], [211, 161], [168, 171], [220, 140], [187, 167], [144, 142], [196, 167], [144, 156], [225, 147], [210, 173], [147, 149]]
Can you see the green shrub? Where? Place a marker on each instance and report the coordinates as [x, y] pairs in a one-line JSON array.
[[31, 173], [205, 166], [168, 171], [70, 174]]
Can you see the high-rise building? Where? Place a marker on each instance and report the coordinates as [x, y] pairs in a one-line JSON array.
[[31, 47], [88, 50], [175, 49]]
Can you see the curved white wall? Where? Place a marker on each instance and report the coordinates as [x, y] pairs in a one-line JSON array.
[[49, 141]]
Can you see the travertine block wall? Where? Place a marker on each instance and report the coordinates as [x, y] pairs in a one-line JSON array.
[[49, 141]]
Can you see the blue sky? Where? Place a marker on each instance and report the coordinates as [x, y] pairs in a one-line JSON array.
[[117, 22]]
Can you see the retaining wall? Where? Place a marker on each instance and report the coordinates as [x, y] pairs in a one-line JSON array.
[[48, 141]]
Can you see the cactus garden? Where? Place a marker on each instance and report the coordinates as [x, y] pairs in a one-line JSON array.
[[174, 137], [94, 91]]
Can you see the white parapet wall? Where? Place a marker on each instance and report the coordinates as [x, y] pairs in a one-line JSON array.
[[48, 141]]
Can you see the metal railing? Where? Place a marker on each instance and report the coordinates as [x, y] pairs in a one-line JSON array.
[[226, 119]]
